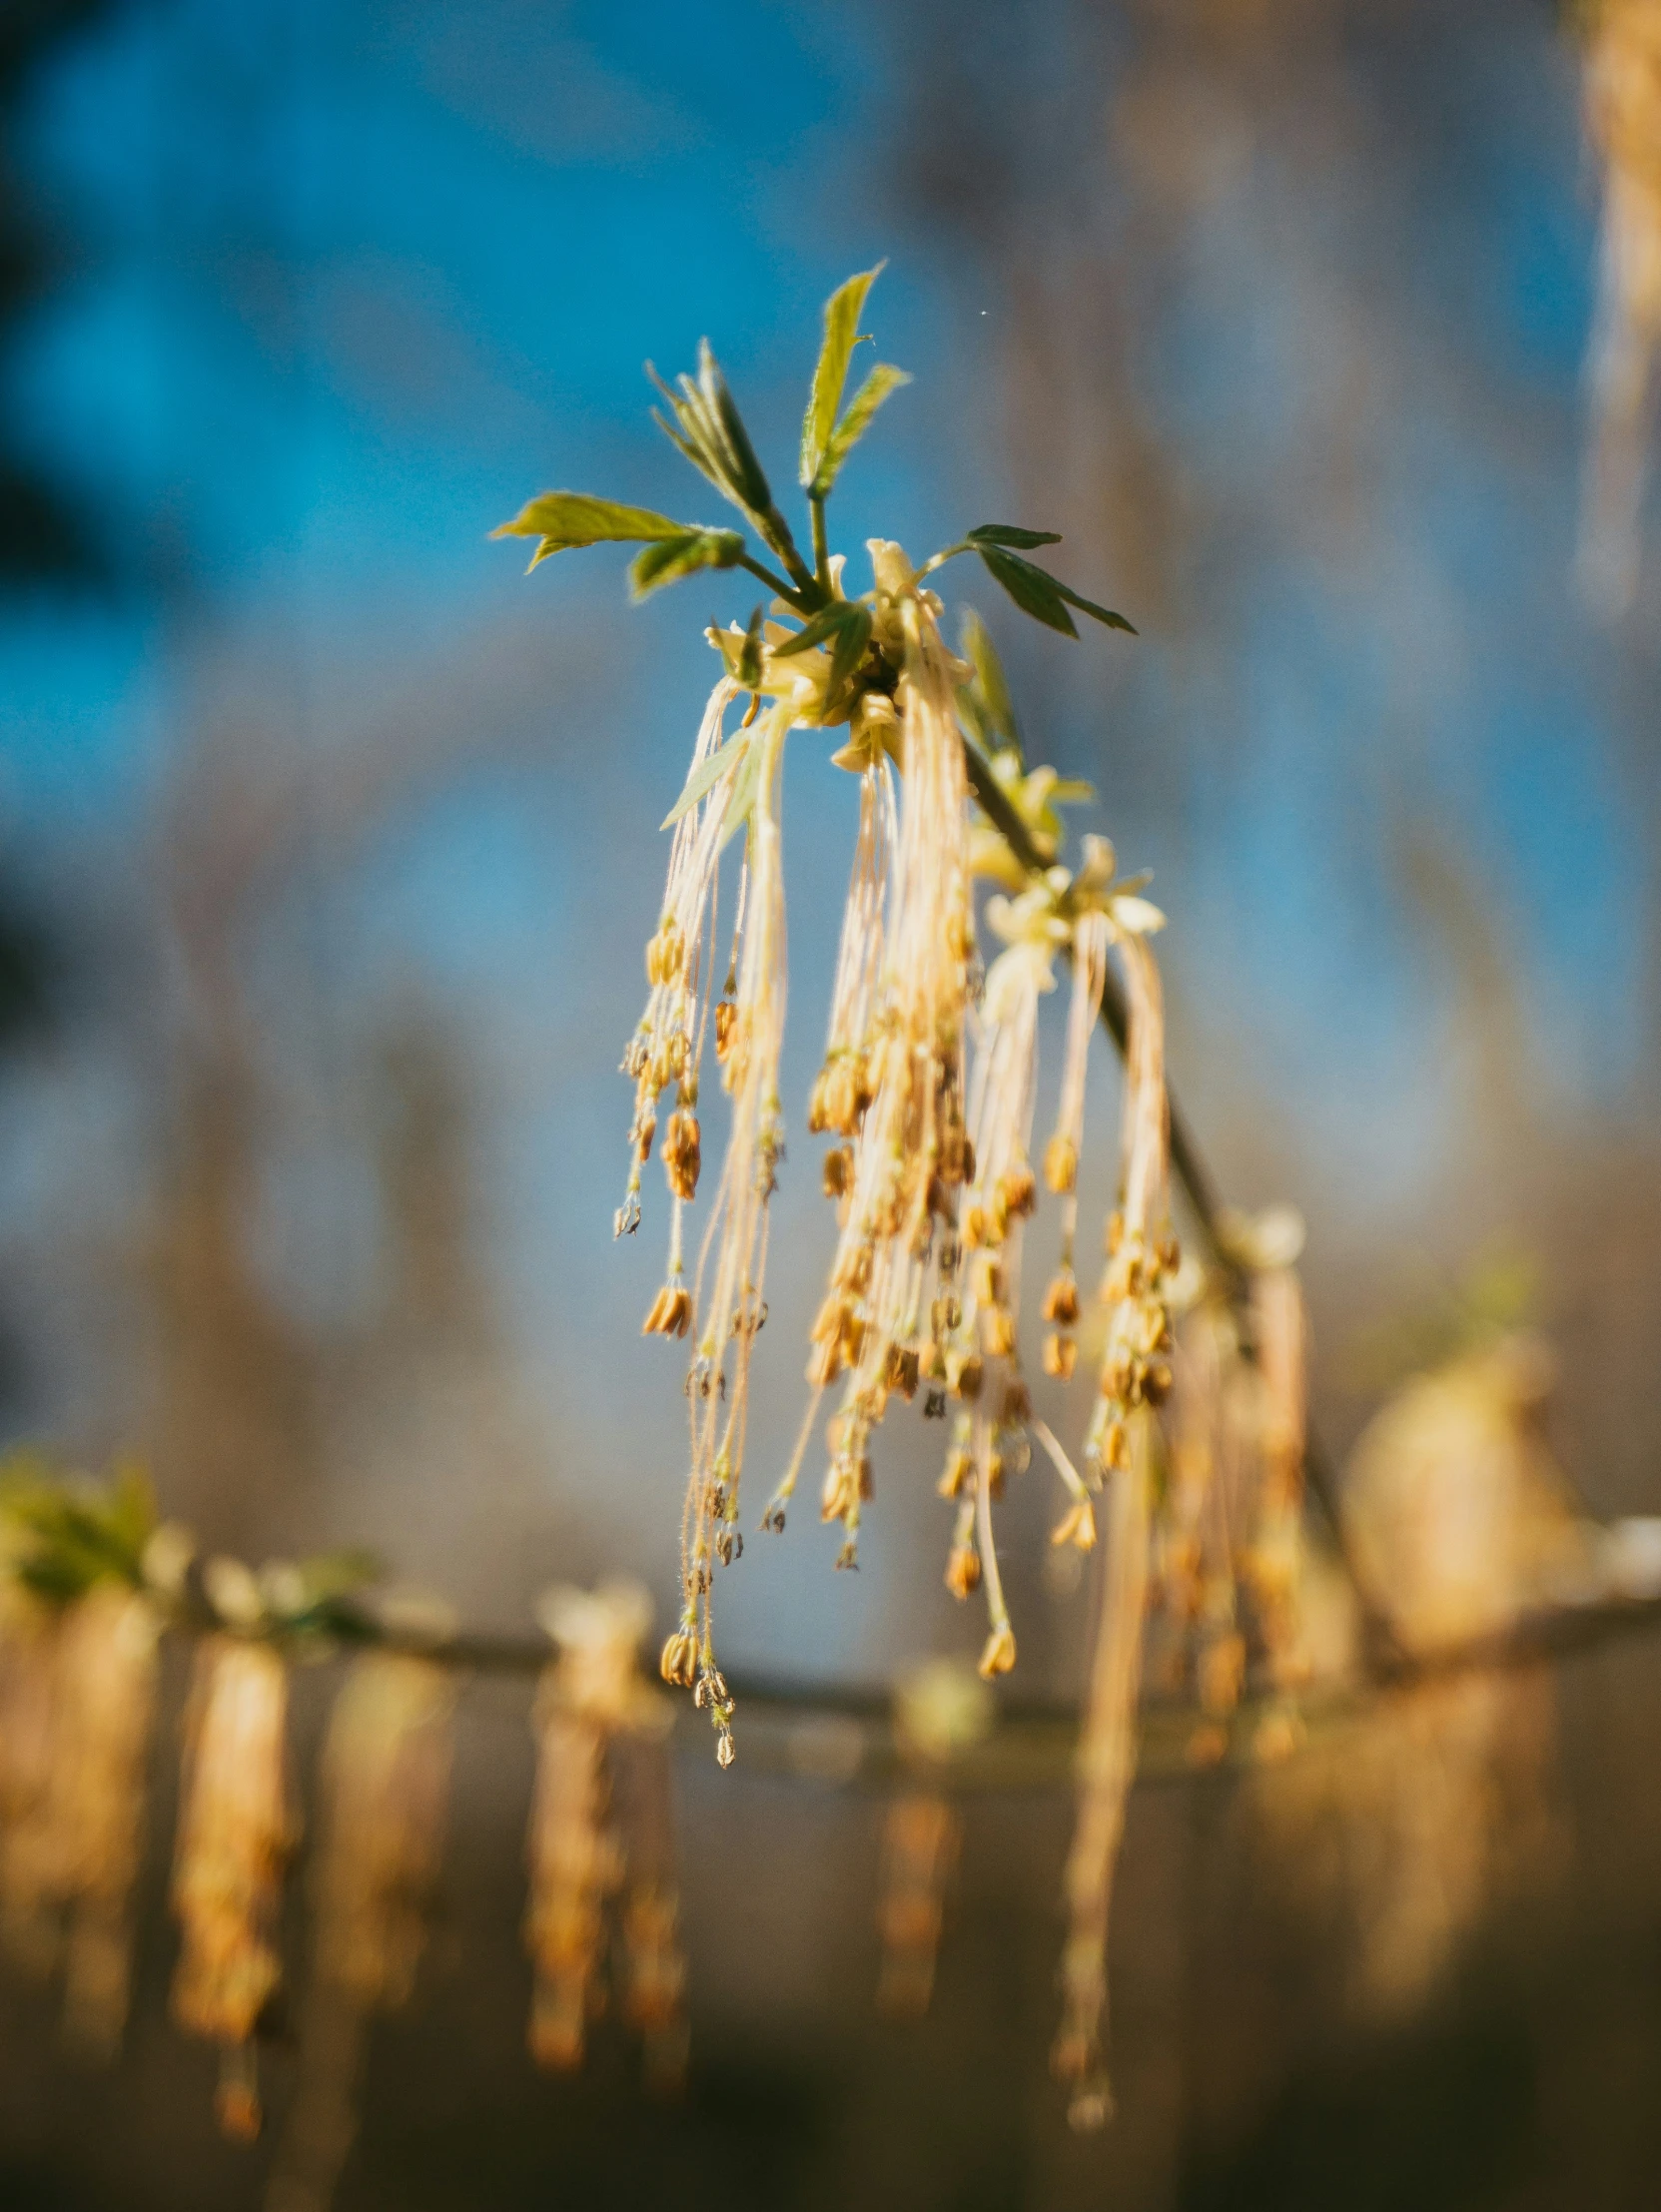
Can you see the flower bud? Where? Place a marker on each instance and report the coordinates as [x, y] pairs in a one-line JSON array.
[[999, 1332], [1017, 1191], [671, 1313], [963, 1570], [1060, 1163], [682, 1152], [1060, 1355]]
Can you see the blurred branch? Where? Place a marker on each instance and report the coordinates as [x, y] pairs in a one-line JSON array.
[[61, 1539], [837, 1733]]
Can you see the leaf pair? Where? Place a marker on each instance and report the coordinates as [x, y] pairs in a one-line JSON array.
[[845, 626], [1034, 590], [562, 519], [709, 430], [826, 441]]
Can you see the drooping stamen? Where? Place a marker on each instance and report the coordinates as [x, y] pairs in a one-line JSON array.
[[1274, 1559], [667, 1044], [235, 1832], [733, 1258], [1105, 1767], [897, 1250], [1062, 1153], [1140, 1252], [591, 1697], [385, 1782], [1001, 1092], [106, 1707], [1135, 1377], [842, 1090]]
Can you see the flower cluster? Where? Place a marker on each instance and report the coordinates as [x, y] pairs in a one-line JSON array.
[[929, 1083], [89, 1581]]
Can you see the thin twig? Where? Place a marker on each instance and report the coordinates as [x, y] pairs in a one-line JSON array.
[[844, 1732]]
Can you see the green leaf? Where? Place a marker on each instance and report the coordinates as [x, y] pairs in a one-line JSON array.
[[1005, 533], [842, 312], [1089, 606], [1041, 595], [668, 560], [676, 434], [883, 380], [1032, 592], [849, 650], [567, 519], [748, 668], [824, 624], [992, 689], [708, 429], [745, 784], [750, 485], [972, 715], [707, 775], [849, 624]]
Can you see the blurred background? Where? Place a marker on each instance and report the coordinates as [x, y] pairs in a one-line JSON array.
[[329, 843]]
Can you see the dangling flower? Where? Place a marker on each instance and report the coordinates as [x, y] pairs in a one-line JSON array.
[[593, 1693], [654, 1968], [997, 1200], [236, 1832], [941, 1709], [106, 1701], [1142, 1252], [921, 1835], [733, 1261], [383, 1790], [1279, 1327], [667, 1044], [30, 1642], [901, 1097], [891, 1090], [1205, 1500], [654, 1985], [843, 1090], [383, 1782], [576, 1866], [78, 1636], [1134, 1377], [1106, 1767], [1087, 897]]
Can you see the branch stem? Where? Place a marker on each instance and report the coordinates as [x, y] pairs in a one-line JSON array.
[[774, 582], [777, 531]]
